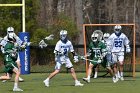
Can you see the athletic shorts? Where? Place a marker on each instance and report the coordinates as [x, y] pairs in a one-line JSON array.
[[62, 60], [118, 57], [9, 67]]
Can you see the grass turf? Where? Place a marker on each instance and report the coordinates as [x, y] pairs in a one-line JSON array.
[[63, 83]]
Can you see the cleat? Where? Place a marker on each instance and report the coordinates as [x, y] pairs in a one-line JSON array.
[[20, 79], [17, 89], [95, 76], [46, 83], [121, 78], [86, 79], [3, 81], [79, 84], [115, 80]]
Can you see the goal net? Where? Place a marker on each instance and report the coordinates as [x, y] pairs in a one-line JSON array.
[[127, 29]]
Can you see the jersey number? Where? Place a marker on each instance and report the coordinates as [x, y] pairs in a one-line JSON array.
[[118, 43], [65, 51]]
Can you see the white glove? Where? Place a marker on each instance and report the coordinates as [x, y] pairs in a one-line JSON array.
[[23, 46], [29, 43], [75, 59], [127, 50], [99, 61]]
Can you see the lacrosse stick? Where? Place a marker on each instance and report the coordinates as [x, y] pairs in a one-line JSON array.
[[86, 59], [42, 43]]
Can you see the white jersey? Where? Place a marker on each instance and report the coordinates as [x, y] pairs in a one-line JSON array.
[[5, 39], [18, 40], [65, 48], [118, 43]]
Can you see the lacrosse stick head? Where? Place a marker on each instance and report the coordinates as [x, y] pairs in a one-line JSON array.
[[42, 44], [50, 37]]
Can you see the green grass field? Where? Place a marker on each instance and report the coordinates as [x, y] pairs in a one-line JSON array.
[[63, 83]]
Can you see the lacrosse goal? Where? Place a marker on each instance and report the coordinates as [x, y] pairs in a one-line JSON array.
[[127, 29]]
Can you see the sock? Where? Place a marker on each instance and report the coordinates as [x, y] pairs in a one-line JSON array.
[[47, 79], [116, 75], [121, 74], [95, 74], [88, 77], [15, 85], [76, 81]]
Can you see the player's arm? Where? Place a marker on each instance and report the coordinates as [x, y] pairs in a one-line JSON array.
[[57, 50], [127, 44], [104, 49]]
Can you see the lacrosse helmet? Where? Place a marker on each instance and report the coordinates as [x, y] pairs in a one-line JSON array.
[[63, 35], [94, 37], [117, 30], [10, 34], [10, 30], [106, 36]]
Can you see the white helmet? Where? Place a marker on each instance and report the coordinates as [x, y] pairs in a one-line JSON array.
[[63, 35], [106, 36], [94, 37], [117, 29], [10, 30], [10, 33]]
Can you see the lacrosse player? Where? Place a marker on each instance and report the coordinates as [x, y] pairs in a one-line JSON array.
[[118, 41], [10, 57], [95, 68], [18, 43], [109, 64], [97, 50], [62, 48]]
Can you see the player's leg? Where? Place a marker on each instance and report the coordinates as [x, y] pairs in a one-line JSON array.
[[57, 70], [87, 79], [121, 63], [19, 66], [5, 77], [16, 84], [96, 71], [115, 65], [70, 66], [110, 66]]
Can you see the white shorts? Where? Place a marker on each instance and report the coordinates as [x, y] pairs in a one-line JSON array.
[[109, 59], [118, 57], [62, 60]]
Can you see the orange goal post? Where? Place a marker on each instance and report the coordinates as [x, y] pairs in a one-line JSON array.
[[91, 26]]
